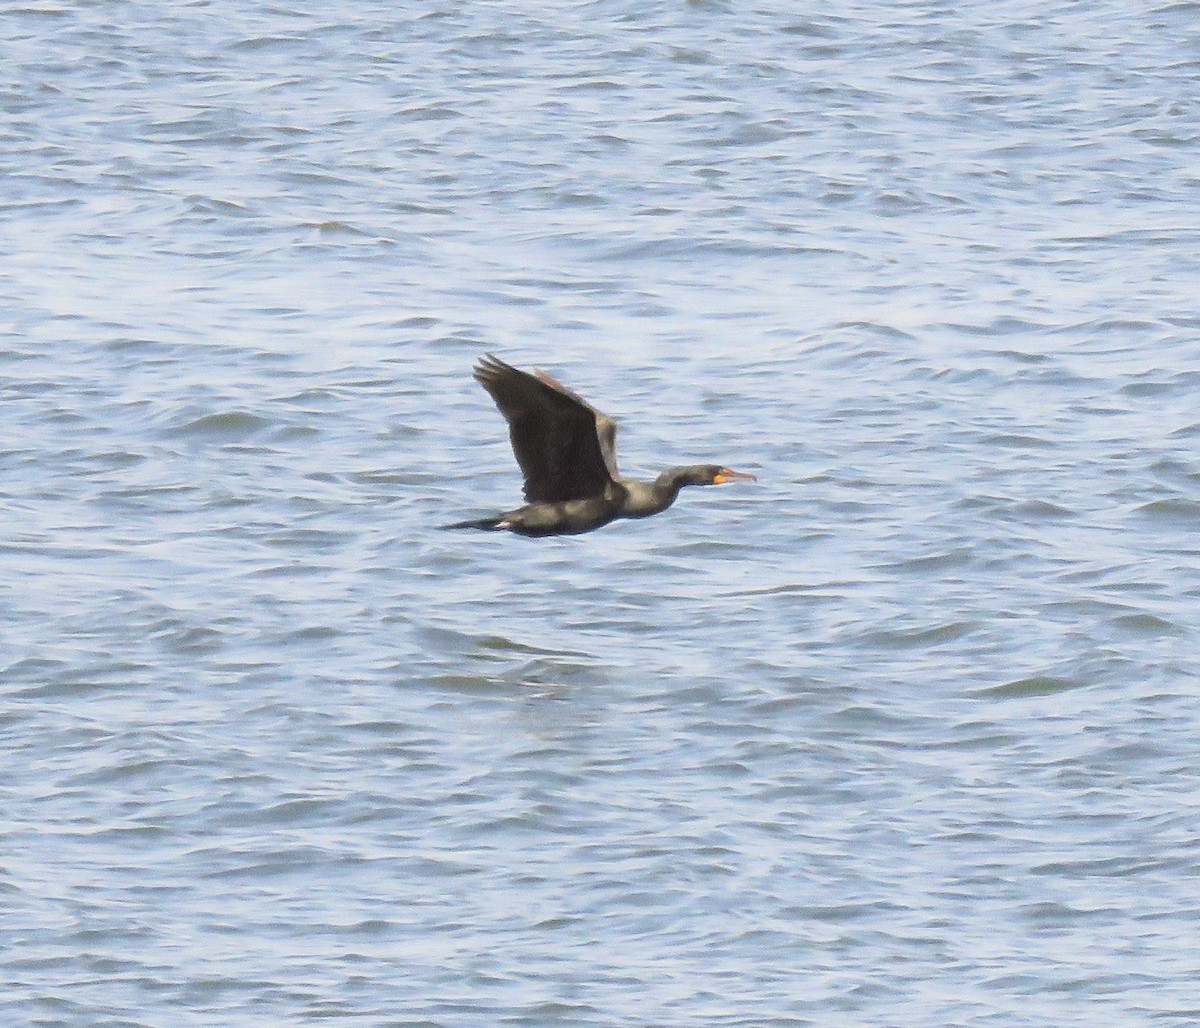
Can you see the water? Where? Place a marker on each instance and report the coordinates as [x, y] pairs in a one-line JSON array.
[[905, 734]]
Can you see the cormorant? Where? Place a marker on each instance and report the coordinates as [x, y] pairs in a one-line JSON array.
[[567, 453]]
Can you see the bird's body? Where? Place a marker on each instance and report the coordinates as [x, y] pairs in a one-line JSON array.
[[567, 452], [564, 517]]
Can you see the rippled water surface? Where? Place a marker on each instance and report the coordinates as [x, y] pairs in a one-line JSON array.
[[904, 734]]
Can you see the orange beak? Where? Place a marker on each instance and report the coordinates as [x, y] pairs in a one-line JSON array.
[[725, 475]]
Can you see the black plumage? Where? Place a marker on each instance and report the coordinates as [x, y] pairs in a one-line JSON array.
[[566, 450], [553, 433]]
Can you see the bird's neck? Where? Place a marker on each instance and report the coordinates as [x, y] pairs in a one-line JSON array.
[[646, 498]]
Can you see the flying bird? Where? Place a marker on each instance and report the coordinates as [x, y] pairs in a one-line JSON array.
[[567, 452]]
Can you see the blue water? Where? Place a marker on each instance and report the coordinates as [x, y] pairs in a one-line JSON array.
[[903, 734]]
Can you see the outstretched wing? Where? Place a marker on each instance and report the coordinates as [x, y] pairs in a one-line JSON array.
[[555, 434], [606, 428]]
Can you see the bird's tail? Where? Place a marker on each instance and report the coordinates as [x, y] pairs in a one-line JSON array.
[[487, 524]]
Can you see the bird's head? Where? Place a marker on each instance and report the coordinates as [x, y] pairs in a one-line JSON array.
[[713, 474]]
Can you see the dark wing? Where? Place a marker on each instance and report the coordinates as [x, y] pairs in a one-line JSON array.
[[553, 432], [606, 428]]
